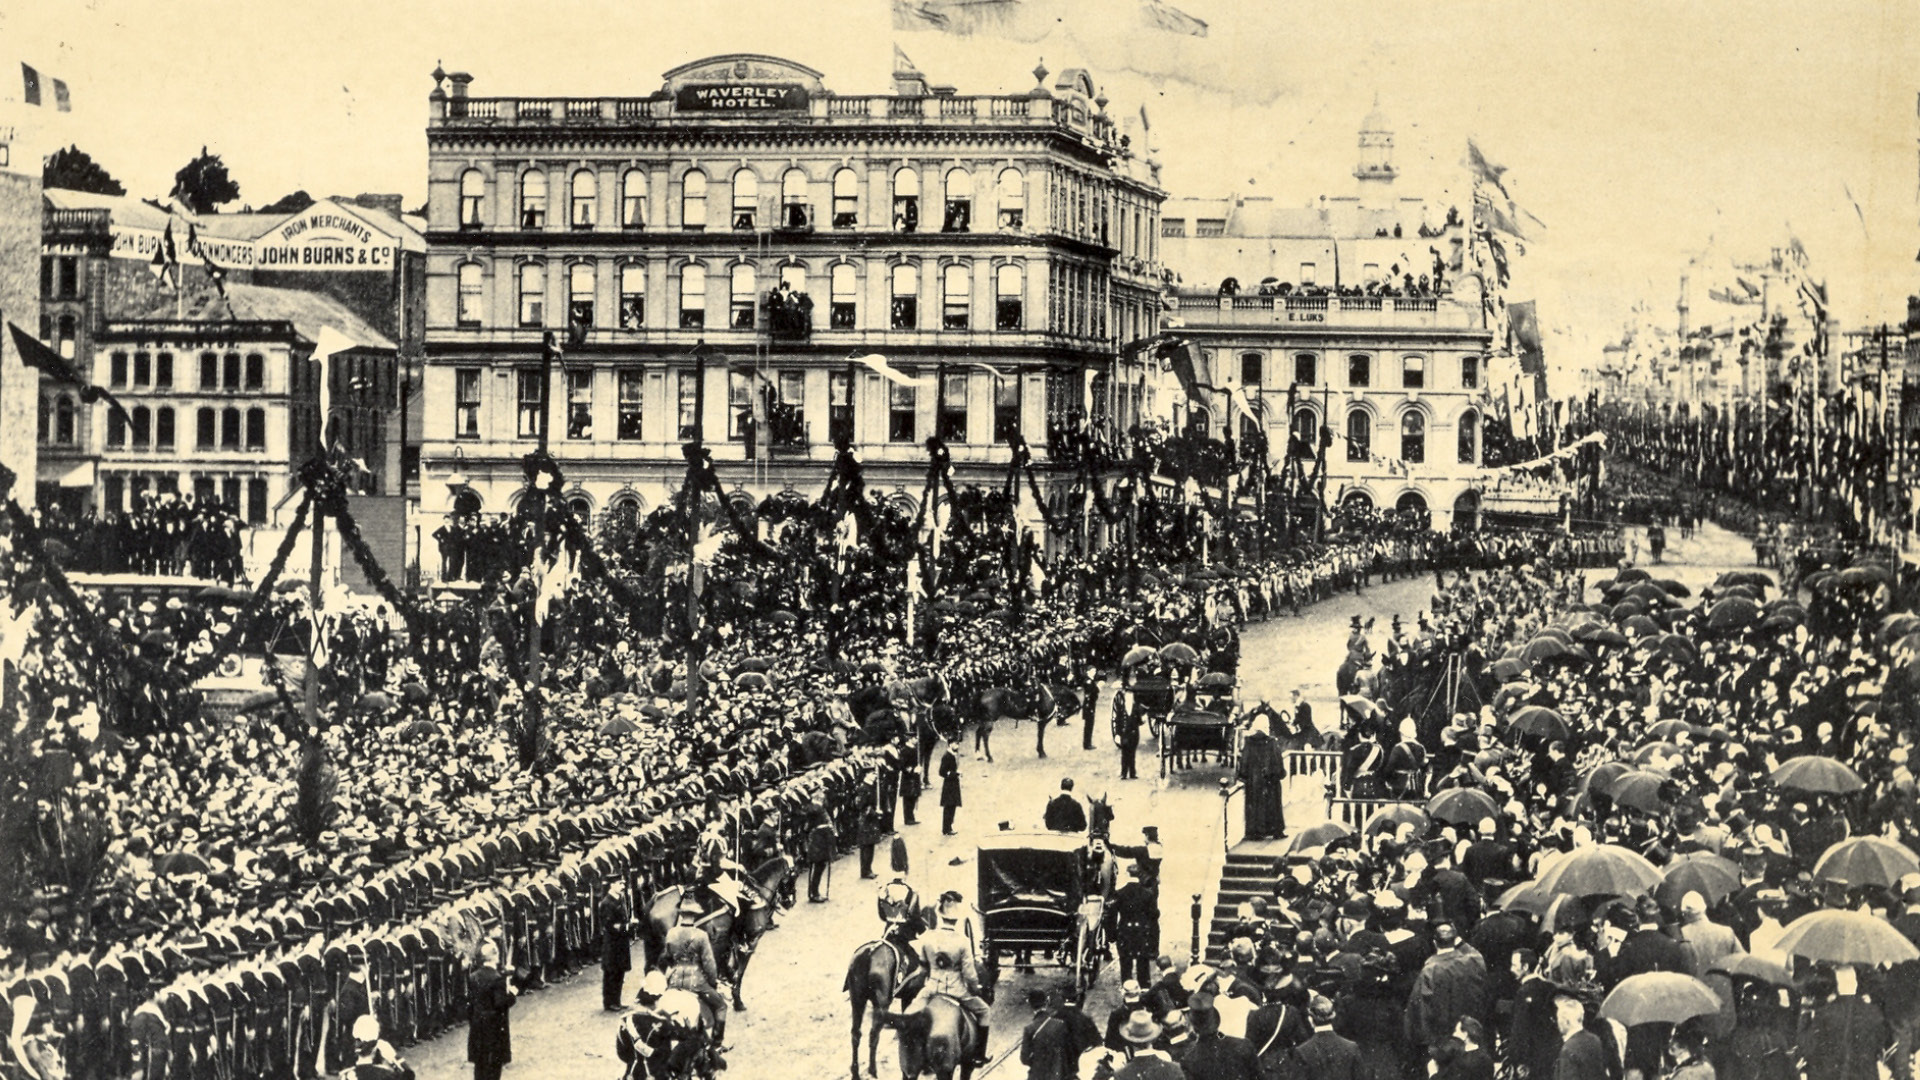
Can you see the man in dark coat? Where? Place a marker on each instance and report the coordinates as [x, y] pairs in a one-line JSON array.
[[1135, 912], [1213, 1055], [1262, 768], [1844, 1038], [1648, 948], [1046, 1046], [489, 1037], [1451, 985], [1275, 1028], [819, 850], [1583, 1056], [1325, 1055], [1064, 812], [1129, 721], [616, 946], [910, 784], [949, 789]]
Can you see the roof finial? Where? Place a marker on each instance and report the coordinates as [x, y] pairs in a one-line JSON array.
[[1040, 72]]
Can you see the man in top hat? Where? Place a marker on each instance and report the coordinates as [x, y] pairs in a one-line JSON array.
[[687, 955], [616, 945], [952, 970]]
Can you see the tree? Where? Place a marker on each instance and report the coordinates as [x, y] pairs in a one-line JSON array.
[[72, 169], [203, 185], [289, 204]]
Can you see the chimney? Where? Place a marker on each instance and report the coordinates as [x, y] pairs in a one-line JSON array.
[[388, 204], [460, 80]]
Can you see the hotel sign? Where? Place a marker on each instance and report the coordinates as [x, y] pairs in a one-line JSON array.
[[741, 97]]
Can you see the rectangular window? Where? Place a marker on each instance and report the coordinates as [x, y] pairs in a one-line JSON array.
[[1303, 369], [230, 494], [115, 494], [167, 484], [631, 383], [532, 399], [69, 277], [1470, 373], [580, 404], [902, 402], [466, 403], [256, 429], [203, 429], [1413, 372], [230, 429], [471, 283], [142, 370], [142, 428], [116, 429], [689, 404], [840, 407], [533, 295], [256, 501], [117, 370], [1306, 273], [739, 404], [1359, 370], [204, 489], [1173, 226], [1006, 409], [162, 429], [209, 371], [230, 371], [1210, 227], [953, 408], [1250, 374], [693, 297], [633, 296], [256, 371], [163, 371]]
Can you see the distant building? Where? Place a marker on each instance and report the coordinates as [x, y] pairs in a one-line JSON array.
[[721, 246], [19, 303], [1348, 308]]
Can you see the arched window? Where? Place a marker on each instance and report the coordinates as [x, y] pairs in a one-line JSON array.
[[533, 294], [693, 200], [741, 301], [906, 297], [959, 216], [472, 294], [1466, 511], [693, 296], [256, 429], [533, 200], [844, 288], [586, 199], [1012, 190], [794, 276], [1009, 295], [906, 200], [795, 211], [1359, 435], [633, 296], [473, 198], [1411, 502], [1413, 437], [63, 423], [957, 297], [1360, 370], [580, 290], [846, 199], [229, 429], [204, 429], [1357, 500], [162, 426], [142, 427], [746, 198], [1413, 372], [633, 199], [1303, 437], [1469, 438], [69, 327]]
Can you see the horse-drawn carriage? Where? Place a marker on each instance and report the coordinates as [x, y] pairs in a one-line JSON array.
[[1194, 735], [1042, 900]]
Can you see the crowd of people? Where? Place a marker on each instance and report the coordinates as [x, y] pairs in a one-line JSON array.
[[1654, 852], [164, 534]]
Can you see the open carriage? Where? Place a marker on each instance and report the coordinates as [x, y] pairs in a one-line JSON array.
[[1042, 901], [1195, 735]]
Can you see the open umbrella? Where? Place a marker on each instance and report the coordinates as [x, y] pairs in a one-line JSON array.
[[1525, 896], [1600, 870], [1216, 679], [1632, 574], [1867, 861], [1652, 595], [1604, 776], [1607, 636], [1507, 669], [1748, 966], [375, 699], [1733, 613], [1641, 791], [1318, 836], [1538, 720], [1713, 877], [1555, 633], [1820, 580], [753, 680], [1138, 655], [1673, 588], [180, 863], [415, 692], [259, 699], [1864, 577], [1179, 653], [1842, 936], [753, 663], [1672, 729], [1658, 749], [1641, 626], [619, 725], [1390, 817], [784, 618], [1462, 806], [1754, 578], [420, 729], [220, 594], [1626, 609], [1811, 772], [1364, 707], [1659, 997], [1546, 650]]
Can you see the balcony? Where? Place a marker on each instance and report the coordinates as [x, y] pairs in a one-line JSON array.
[[93, 222], [1208, 309], [789, 314], [787, 433]]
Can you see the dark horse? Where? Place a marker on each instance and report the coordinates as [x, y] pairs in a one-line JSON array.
[[936, 1039], [873, 981], [733, 940]]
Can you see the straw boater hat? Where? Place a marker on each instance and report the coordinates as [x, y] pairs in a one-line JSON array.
[[1140, 1030]]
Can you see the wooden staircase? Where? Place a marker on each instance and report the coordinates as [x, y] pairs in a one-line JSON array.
[[1253, 868]]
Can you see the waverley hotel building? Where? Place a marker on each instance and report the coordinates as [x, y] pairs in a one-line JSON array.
[[716, 251]]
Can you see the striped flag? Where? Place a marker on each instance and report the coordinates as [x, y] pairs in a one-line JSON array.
[[31, 90]]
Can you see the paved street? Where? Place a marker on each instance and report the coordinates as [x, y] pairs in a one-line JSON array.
[[796, 1024]]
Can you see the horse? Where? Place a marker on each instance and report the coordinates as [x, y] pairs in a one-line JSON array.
[[733, 939], [873, 979], [1099, 818], [937, 1039]]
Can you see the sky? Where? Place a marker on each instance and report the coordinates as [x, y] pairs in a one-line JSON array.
[[1645, 135]]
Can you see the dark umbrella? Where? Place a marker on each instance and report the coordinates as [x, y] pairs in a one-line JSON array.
[[1626, 609], [1604, 776], [1641, 791], [180, 863], [1653, 595], [752, 680], [1745, 592], [1546, 650], [784, 618], [1216, 679], [1659, 997], [1641, 626], [1179, 653], [375, 699], [1389, 818], [1554, 633], [259, 699], [1462, 806], [753, 663], [1138, 655], [415, 691], [1507, 669], [1601, 870], [1608, 637], [1539, 720], [1842, 936], [1755, 578], [1713, 877], [419, 729], [1897, 626], [1673, 588], [1318, 836], [1632, 574], [1733, 613], [1867, 861], [619, 725], [1811, 772], [220, 594]]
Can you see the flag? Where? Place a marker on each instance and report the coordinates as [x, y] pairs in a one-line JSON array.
[[1523, 330], [1493, 217], [32, 80], [999, 377], [878, 364], [37, 355], [1186, 367], [1162, 16], [556, 577], [901, 64], [1485, 171], [331, 341], [166, 257], [912, 16]]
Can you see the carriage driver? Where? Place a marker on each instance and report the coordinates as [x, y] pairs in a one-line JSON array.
[[687, 955], [951, 970]]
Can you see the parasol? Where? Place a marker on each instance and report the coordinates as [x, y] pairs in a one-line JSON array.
[[1641, 626], [1214, 680], [1137, 655], [1733, 613], [1179, 653], [1659, 997], [1811, 772], [619, 725], [1641, 791], [1601, 780]]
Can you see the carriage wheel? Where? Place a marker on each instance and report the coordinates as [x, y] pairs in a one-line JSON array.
[[1083, 963]]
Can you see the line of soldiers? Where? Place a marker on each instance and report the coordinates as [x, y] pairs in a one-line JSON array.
[[277, 993]]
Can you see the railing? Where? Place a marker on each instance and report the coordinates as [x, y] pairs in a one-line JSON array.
[[906, 106], [536, 109], [632, 109], [1253, 303], [849, 106], [92, 221], [1359, 303], [1324, 764], [957, 106], [582, 108], [1306, 303], [1416, 303]]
